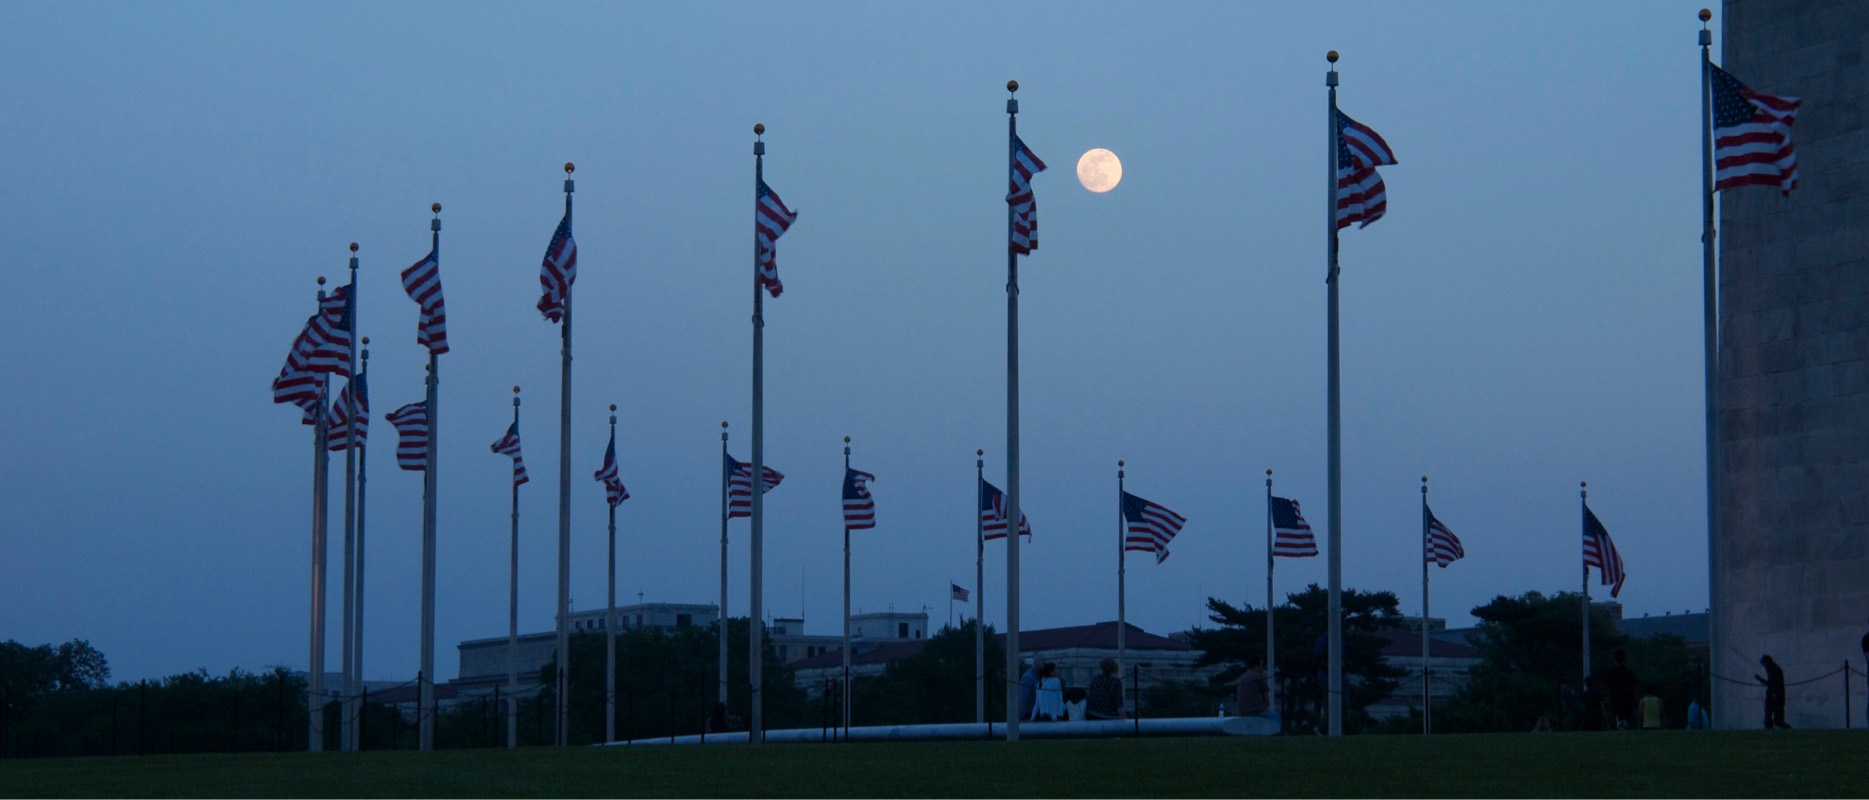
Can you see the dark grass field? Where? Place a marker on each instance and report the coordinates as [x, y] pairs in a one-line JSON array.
[[1659, 764]]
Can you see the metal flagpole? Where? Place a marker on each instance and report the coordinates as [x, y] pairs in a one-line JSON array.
[[1710, 313], [1426, 705], [1271, 662], [846, 703], [1334, 653], [610, 611], [347, 721], [321, 470], [756, 717], [356, 630], [512, 611], [431, 484], [564, 507], [1012, 437], [723, 563], [1122, 564], [1583, 494], [979, 587]]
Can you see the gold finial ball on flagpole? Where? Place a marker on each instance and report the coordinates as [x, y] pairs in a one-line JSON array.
[[570, 168], [1268, 473], [515, 390], [846, 440], [613, 407], [366, 340], [1012, 86], [1583, 484], [1706, 14], [978, 452], [353, 247], [759, 129], [321, 280], [1424, 479], [1119, 462], [435, 208], [723, 424], [1331, 56]]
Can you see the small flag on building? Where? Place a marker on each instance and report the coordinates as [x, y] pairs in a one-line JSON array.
[[859, 507], [1443, 546], [956, 592], [411, 423], [614, 491], [993, 514], [559, 270], [1291, 535], [1025, 164], [1600, 552], [1361, 197], [771, 219], [1151, 526], [1751, 136], [422, 282], [740, 486], [508, 445]]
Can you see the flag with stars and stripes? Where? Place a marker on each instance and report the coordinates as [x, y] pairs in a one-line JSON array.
[[993, 514], [740, 486], [859, 507], [299, 388], [508, 445], [411, 423], [1600, 552], [1751, 136], [1361, 197], [614, 491], [422, 282], [957, 591], [558, 271], [1025, 164], [1291, 535], [771, 219], [342, 423], [1443, 546], [1151, 526]]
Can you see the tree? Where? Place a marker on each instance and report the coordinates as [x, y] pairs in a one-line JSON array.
[[1299, 625], [935, 685]]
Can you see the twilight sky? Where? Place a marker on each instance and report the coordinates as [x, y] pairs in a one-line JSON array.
[[1526, 316]]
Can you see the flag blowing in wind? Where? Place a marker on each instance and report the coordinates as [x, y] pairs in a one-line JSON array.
[[1291, 535], [342, 424], [957, 592], [859, 507], [993, 514], [1025, 164], [1751, 136], [771, 219], [508, 445], [1361, 197], [1151, 526], [422, 282], [411, 423], [558, 271], [614, 491], [1443, 546], [740, 486], [1600, 552]]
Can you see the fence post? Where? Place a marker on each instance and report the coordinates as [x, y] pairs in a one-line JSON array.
[[673, 710], [142, 709], [1846, 694], [279, 731], [629, 712], [233, 733], [1135, 686], [113, 723], [538, 730]]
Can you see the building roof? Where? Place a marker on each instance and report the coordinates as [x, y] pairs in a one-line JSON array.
[[1407, 644], [1100, 636], [1689, 626]]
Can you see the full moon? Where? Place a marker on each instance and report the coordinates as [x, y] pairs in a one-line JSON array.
[[1099, 170]]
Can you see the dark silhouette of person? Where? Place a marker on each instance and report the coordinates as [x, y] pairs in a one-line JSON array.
[[1774, 681], [1622, 684]]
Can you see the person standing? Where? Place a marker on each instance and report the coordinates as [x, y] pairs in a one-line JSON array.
[[1650, 710], [1774, 681], [1104, 698], [1252, 692], [1622, 683]]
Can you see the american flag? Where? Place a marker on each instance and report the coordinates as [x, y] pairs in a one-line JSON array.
[[1151, 526], [341, 422], [859, 507], [1291, 535], [740, 486], [1600, 552], [993, 514], [771, 219], [508, 445], [1025, 164], [614, 491], [1443, 546], [411, 423], [299, 388], [1751, 136], [422, 282], [558, 271], [323, 345], [957, 592], [1361, 197]]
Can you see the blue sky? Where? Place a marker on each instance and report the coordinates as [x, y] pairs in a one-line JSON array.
[[1525, 317]]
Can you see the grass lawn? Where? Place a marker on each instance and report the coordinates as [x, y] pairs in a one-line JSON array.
[[1659, 764]]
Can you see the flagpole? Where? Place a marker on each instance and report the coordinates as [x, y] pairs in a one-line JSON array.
[[1012, 437], [431, 485], [1122, 565], [321, 469], [1334, 653], [610, 612], [756, 716], [1583, 495], [512, 609], [979, 587], [564, 505], [347, 722], [356, 652], [846, 703], [1271, 662], [722, 682], [1426, 726], [1710, 313]]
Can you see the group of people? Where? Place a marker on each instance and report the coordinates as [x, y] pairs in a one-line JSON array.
[[1609, 701], [1042, 694]]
